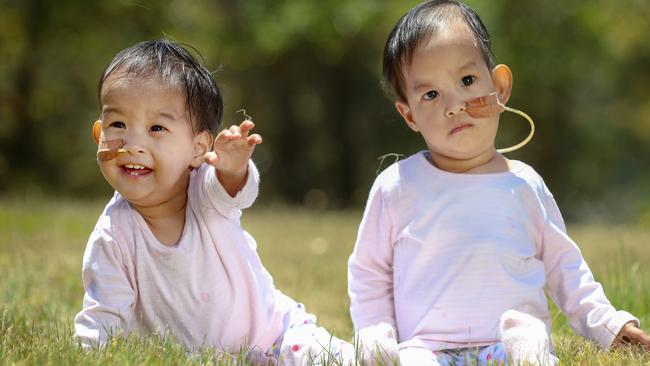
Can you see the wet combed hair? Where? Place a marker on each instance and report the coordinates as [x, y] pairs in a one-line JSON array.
[[174, 65], [416, 27]]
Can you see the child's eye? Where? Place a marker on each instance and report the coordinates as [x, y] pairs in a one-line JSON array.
[[117, 124], [468, 80], [157, 128], [430, 95]]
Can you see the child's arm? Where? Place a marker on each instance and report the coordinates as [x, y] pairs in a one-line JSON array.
[[370, 267], [109, 297], [571, 284], [370, 282], [233, 148]]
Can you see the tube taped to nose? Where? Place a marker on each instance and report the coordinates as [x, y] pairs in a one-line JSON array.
[[109, 149], [485, 106], [489, 106]]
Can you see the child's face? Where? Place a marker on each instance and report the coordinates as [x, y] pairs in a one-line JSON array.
[[446, 71], [153, 121]]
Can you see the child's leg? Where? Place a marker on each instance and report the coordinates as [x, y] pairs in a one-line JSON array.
[[305, 343], [496, 355], [416, 356], [493, 355]]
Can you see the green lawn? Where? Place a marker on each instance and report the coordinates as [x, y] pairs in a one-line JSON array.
[[41, 245]]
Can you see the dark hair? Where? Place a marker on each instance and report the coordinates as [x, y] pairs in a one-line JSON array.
[[176, 66], [418, 25]]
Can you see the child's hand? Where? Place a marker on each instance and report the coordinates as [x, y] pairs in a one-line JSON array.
[[309, 344], [233, 148], [632, 335], [379, 345]]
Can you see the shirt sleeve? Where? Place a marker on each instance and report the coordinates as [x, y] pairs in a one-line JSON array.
[[220, 199], [370, 267], [109, 298], [572, 286]]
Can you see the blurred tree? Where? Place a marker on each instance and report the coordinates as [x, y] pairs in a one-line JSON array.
[[54, 53], [581, 70], [309, 73]]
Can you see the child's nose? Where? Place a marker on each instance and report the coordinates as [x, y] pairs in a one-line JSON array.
[[134, 145], [454, 108], [133, 149]]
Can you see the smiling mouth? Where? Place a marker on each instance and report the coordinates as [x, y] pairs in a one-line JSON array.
[[135, 170], [460, 128]]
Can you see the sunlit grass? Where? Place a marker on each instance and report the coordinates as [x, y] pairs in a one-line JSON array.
[[42, 243]]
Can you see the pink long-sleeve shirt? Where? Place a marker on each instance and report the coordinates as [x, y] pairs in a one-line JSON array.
[[208, 290], [440, 256]]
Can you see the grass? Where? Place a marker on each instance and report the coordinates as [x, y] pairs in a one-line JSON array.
[[41, 245]]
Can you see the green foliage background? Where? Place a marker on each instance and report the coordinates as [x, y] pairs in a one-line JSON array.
[[308, 72]]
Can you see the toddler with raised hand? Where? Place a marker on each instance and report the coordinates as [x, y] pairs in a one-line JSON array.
[[458, 245], [168, 255]]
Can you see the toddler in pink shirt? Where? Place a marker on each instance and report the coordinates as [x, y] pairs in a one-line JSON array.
[[459, 246], [168, 255]]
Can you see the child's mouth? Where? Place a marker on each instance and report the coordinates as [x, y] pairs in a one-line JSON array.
[[460, 128], [135, 170]]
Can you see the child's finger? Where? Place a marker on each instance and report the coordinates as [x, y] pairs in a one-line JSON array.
[[229, 134], [235, 132], [223, 137], [245, 127], [254, 139], [211, 158], [642, 338]]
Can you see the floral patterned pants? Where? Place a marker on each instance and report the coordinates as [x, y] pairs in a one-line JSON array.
[[492, 355]]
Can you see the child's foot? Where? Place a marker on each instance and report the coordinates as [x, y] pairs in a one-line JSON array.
[[525, 339]]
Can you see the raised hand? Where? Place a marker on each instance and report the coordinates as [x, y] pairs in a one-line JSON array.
[[233, 148]]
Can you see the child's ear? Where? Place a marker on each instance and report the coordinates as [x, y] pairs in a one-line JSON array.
[[405, 111], [502, 80], [97, 130], [202, 144]]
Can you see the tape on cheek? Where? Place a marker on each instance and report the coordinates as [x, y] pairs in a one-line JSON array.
[[109, 149], [489, 106], [485, 106]]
